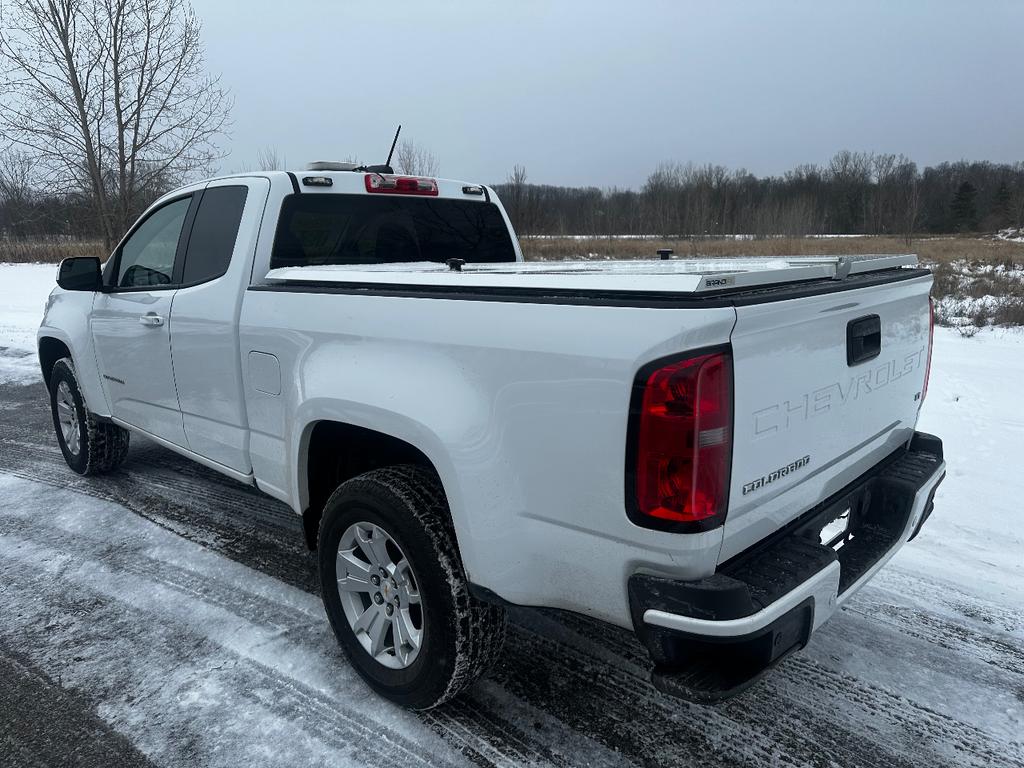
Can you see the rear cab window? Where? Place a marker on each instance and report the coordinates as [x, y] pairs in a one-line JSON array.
[[353, 229]]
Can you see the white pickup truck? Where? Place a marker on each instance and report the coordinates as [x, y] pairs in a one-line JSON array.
[[714, 454]]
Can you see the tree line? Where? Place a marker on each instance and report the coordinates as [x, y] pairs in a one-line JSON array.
[[854, 193]]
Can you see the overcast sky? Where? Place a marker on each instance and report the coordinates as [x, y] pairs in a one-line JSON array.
[[600, 92]]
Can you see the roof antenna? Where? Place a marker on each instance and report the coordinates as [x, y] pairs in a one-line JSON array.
[[393, 143], [386, 168]]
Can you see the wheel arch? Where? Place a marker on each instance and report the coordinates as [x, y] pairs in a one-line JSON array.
[[65, 331], [333, 451], [51, 349]]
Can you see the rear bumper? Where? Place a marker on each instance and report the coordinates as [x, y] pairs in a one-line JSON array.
[[712, 638]]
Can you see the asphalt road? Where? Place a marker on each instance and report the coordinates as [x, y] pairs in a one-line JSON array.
[[165, 615]]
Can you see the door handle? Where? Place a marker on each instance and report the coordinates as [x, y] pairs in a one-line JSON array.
[[151, 319]]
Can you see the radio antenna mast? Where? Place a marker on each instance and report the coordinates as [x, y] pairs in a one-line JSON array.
[[393, 143]]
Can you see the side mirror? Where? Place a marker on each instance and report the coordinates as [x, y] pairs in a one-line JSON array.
[[80, 273]]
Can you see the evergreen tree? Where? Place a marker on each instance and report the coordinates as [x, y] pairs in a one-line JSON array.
[[965, 214]]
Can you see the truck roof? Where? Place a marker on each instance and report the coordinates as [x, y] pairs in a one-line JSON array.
[[350, 182]]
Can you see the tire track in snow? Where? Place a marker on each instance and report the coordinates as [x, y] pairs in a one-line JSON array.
[[999, 653], [232, 530], [809, 689], [799, 699], [751, 730]]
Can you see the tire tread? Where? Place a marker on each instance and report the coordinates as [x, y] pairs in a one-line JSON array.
[[104, 444], [479, 626]]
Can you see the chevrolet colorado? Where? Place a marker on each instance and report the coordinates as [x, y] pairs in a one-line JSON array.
[[715, 454]]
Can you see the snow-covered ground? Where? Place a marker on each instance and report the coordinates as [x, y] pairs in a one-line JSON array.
[[975, 539], [23, 292], [194, 627]]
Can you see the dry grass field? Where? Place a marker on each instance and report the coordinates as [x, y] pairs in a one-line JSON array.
[[934, 250], [48, 251]]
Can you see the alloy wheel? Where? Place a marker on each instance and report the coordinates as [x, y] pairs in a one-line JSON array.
[[67, 417], [380, 595]]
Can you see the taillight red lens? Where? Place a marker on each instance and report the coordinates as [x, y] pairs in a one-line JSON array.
[[931, 343], [400, 185], [684, 440]]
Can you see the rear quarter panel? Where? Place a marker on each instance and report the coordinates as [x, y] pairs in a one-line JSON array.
[[522, 408]]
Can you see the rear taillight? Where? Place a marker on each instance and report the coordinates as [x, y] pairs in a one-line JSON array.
[[682, 433], [931, 342], [400, 185]]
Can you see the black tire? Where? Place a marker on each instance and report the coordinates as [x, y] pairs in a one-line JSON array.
[[462, 636], [102, 445]]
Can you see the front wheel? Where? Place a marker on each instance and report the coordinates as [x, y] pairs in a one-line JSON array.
[[90, 446], [395, 590]]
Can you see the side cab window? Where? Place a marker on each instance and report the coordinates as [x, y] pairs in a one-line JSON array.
[[184, 242], [214, 231], [147, 258]]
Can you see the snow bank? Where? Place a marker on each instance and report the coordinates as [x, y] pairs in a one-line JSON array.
[[23, 292], [971, 295], [975, 538], [1011, 234]]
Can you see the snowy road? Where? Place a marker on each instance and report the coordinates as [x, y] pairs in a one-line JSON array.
[[165, 615]]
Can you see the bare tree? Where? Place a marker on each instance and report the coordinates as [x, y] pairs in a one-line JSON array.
[[415, 160], [884, 167], [850, 174], [111, 98], [1017, 195], [518, 204], [17, 193], [910, 198], [268, 159]]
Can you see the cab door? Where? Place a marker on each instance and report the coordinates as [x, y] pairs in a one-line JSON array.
[[131, 323], [204, 322]]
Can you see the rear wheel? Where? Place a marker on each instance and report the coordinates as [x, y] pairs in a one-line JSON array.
[[90, 446], [395, 590]]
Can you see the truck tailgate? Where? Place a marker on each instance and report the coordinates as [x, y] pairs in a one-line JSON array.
[[811, 414]]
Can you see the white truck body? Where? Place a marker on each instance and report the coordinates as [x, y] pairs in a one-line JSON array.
[[514, 380]]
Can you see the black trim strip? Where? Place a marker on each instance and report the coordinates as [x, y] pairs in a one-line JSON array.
[[184, 238], [295, 183], [657, 300]]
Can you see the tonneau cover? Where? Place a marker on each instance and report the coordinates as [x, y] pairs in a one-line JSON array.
[[669, 276]]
